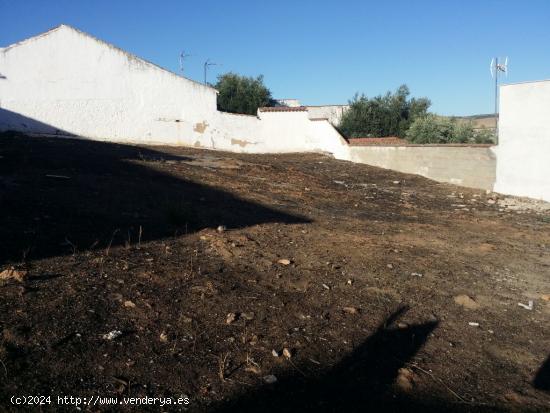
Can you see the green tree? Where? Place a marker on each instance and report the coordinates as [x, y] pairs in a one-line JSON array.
[[439, 129], [381, 116], [242, 94]]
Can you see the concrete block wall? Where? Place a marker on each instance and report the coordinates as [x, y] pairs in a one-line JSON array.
[[471, 166]]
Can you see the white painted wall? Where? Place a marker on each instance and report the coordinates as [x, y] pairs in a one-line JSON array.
[[67, 82], [523, 166]]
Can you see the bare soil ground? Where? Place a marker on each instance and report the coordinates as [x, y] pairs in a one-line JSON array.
[[399, 293]]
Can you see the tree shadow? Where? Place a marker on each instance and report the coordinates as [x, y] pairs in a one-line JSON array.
[[542, 379], [361, 381], [59, 196]]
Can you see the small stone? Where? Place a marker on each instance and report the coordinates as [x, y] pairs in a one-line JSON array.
[[221, 228], [231, 317], [350, 310], [275, 353], [163, 337], [404, 380], [402, 325], [466, 302], [270, 379], [284, 261], [253, 369], [395, 182], [13, 274], [129, 304], [545, 297], [111, 335], [390, 266], [247, 316], [349, 282], [287, 353]]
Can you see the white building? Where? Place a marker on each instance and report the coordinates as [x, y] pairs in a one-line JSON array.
[[66, 82], [523, 152]]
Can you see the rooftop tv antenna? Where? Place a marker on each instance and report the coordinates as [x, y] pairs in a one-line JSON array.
[[183, 56], [496, 68], [207, 64]]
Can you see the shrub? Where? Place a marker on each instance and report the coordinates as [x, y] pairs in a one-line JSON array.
[[381, 116], [438, 129], [241, 94]]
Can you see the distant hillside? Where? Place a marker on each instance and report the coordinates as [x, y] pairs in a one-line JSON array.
[[479, 121]]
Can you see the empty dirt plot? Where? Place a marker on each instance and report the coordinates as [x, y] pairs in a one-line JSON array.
[[264, 283]]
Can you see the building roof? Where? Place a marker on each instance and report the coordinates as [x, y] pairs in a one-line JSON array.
[[128, 54], [283, 109]]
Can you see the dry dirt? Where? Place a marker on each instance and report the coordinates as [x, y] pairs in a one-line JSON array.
[[399, 293]]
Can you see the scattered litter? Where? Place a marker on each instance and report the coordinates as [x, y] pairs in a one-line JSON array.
[[528, 306], [112, 335], [326, 287], [473, 324], [416, 274], [270, 379], [396, 182], [350, 310], [275, 353], [402, 325], [221, 228], [350, 282]]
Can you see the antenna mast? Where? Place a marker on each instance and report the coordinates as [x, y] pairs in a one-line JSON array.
[[496, 67], [183, 56], [207, 64]]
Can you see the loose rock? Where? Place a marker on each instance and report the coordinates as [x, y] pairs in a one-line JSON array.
[[231, 317], [284, 261], [404, 380], [111, 335], [13, 274], [466, 302], [287, 353], [270, 379], [350, 310], [129, 304]]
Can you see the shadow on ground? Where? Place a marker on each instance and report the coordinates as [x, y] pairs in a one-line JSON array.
[[362, 381], [542, 379], [59, 196]]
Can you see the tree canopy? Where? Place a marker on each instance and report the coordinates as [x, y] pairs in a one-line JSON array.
[[242, 94], [382, 116]]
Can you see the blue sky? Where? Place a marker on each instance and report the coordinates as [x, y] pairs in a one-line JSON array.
[[320, 52]]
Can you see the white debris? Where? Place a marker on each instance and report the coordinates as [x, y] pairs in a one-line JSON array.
[[528, 306], [473, 324], [112, 335]]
